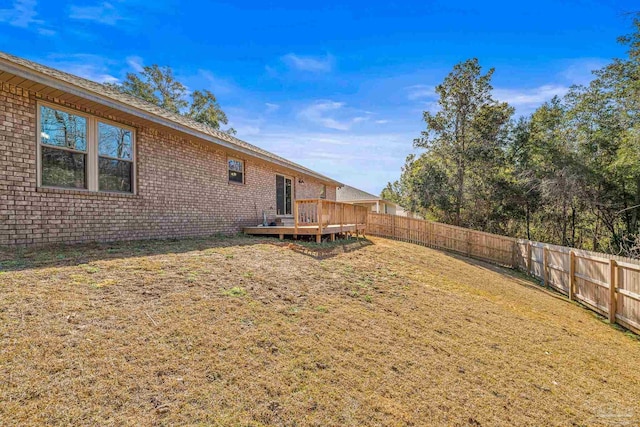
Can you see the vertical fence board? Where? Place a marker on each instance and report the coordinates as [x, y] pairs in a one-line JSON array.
[[582, 275]]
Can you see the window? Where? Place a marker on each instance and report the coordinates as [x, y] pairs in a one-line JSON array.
[[236, 171], [283, 195], [64, 148], [323, 193], [84, 152], [115, 158]]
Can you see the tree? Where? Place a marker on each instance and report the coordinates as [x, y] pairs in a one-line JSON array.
[[461, 139], [392, 192], [158, 86]]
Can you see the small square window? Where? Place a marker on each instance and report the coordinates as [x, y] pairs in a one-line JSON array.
[[236, 171], [323, 193]]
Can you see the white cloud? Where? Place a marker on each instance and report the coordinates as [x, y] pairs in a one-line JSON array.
[[88, 66], [23, 14], [529, 98], [271, 107], [102, 13], [323, 113], [420, 92], [580, 71], [523, 99], [313, 64], [91, 72], [381, 122], [366, 160], [136, 63], [217, 85]]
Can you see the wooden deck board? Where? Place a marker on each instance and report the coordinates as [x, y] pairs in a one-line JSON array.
[[303, 229]]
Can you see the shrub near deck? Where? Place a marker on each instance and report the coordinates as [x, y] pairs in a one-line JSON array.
[[249, 332]]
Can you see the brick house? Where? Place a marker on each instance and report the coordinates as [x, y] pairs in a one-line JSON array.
[[352, 195], [80, 162]]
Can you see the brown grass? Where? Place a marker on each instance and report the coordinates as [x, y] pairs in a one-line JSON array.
[[247, 332]]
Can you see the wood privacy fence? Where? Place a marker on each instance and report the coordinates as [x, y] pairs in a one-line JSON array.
[[607, 284]]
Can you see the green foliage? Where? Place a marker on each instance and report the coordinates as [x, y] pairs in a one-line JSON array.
[[568, 174], [158, 86], [464, 150]]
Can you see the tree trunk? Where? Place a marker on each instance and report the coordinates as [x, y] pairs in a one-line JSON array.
[[528, 223], [573, 226], [634, 214], [564, 221], [460, 195]]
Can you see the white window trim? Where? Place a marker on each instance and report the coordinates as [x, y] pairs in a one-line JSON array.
[[244, 175], [91, 164]]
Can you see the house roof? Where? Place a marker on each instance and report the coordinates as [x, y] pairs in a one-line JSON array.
[[352, 194], [19, 70]]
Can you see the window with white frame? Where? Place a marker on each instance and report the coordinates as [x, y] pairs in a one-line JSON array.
[[323, 192], [80, 151], [115, 158], [236, 171]]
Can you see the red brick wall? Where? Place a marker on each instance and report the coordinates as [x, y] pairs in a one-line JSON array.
[[182, 184]]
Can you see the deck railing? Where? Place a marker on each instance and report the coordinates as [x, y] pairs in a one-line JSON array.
[[324, 213]]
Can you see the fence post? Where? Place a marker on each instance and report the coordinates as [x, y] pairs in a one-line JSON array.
[[514, 255], [393, 227], [529, 270], [468, 242], [572, 275], [612, 291], [545, 273]]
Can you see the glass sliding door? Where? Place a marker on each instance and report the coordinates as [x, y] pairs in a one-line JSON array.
[[284, 190]]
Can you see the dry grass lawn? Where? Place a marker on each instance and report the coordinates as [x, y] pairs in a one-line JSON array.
[[250, 332]]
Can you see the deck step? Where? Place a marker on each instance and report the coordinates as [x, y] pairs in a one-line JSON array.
[[285, 222]]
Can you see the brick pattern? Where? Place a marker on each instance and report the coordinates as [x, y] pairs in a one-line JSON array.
[[182, 184]]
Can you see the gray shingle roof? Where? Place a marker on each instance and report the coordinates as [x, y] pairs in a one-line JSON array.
[[349, 194], [149, 108]]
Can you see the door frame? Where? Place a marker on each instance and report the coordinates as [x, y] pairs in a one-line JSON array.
[[293, 194]]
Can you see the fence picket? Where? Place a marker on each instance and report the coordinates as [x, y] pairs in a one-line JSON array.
[[574, 272]]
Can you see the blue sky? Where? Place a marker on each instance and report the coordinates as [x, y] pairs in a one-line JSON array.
[[340, 86]]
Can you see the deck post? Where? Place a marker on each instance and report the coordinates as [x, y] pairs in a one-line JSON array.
[[281, 236], [341, 217], [319, 235], [613, 308], [295, 218], [333, 237]]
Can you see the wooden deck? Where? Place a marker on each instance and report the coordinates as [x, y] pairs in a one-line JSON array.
[[308, 230], [317, 217]]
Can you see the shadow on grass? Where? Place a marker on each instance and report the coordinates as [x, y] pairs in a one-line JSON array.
[[535, 284], [328, 249], [75, 254], [518, 276], [15, 259]]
